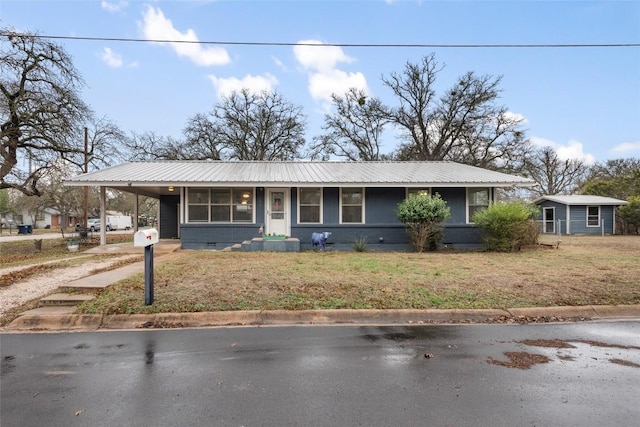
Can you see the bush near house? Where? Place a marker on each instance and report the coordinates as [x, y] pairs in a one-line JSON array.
[[423, 216], [508, 226]]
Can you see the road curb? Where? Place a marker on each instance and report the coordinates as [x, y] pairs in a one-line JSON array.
[[86, 322], [587, 312]]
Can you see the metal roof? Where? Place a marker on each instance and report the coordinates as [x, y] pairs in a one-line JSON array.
[[578, 199], [194, 173]]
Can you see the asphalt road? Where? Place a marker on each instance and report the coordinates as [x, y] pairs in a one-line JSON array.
[[429, 375]]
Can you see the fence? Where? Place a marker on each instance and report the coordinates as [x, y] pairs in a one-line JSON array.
[[563, 227]]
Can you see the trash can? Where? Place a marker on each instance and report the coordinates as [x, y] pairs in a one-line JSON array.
[[22, 229]]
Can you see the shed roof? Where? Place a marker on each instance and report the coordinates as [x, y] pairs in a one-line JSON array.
[[578, 199], [156, 174]]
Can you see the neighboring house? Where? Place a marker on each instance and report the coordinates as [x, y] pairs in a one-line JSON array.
[[215, 204], [578, 214], [49, 216]]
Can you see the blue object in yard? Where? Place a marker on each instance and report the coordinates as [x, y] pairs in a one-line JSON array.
[[25, 229]]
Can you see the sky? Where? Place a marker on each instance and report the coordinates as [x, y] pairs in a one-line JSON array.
[[582, 101]]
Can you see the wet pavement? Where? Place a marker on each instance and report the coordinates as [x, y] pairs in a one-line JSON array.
[[584, 373]]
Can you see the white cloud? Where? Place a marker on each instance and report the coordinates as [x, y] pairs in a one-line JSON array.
[[155, 26], [627, 147], [516, 117], [571, 150], [318, 57], [224, 86], [114, 60], [111, 58], [320, 62], [114, 6], [574, 150], [322, 85], [541, 142]]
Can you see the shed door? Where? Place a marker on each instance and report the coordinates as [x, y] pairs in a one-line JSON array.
[[549, 220], [277, 212]]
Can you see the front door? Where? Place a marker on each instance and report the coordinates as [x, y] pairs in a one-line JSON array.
[[277, 212], [549, 220]]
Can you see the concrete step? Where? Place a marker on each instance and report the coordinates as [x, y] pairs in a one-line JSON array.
[[50, 310], [79, 289], [64, 299]]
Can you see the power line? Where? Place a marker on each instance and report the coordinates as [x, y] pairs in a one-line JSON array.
[[363, 45]]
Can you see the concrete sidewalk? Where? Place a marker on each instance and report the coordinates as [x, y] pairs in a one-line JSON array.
[[58, 317]]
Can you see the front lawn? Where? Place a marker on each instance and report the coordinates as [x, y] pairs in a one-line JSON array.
[[583, 271]]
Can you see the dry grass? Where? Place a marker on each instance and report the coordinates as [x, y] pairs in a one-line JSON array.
[[583, 271], [24, 252]]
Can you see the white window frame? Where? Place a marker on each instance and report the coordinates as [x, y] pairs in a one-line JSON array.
[[320, 206], [362, 211], [599, 216], [469, 205], [207, 204], [416, 190], [545, 221], [231, 205]]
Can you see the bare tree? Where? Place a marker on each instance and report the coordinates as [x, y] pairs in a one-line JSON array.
[[465, 124], [258, 126], [150, 146], [354, 130], [202, 141], [553, 175], [40, 109], [66, 200], [416, 115], [105, 141]]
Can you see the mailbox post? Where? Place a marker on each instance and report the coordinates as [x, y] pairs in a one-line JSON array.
[[147, 238]]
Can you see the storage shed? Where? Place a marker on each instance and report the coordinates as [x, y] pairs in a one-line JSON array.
[[578, 214]]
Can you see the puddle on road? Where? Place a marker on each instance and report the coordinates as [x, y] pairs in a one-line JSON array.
[[525, 360], [519, 359]]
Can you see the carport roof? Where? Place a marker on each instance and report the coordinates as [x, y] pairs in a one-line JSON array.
[[156, 176]]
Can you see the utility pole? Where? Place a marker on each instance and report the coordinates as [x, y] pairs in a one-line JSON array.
[[86, 170]]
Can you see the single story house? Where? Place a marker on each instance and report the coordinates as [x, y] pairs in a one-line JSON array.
[[47, 217], [215, 204], [578, 214]]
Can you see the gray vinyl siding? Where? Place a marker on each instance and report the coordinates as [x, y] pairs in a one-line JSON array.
[[456, 199], [382, 229], [331, 205], [381, 204], [578, 218], [607, 214]]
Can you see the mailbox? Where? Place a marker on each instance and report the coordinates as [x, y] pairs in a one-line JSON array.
[[145, 237]]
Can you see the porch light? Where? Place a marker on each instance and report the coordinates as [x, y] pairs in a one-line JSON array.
[[171, 188], [245, 195]]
